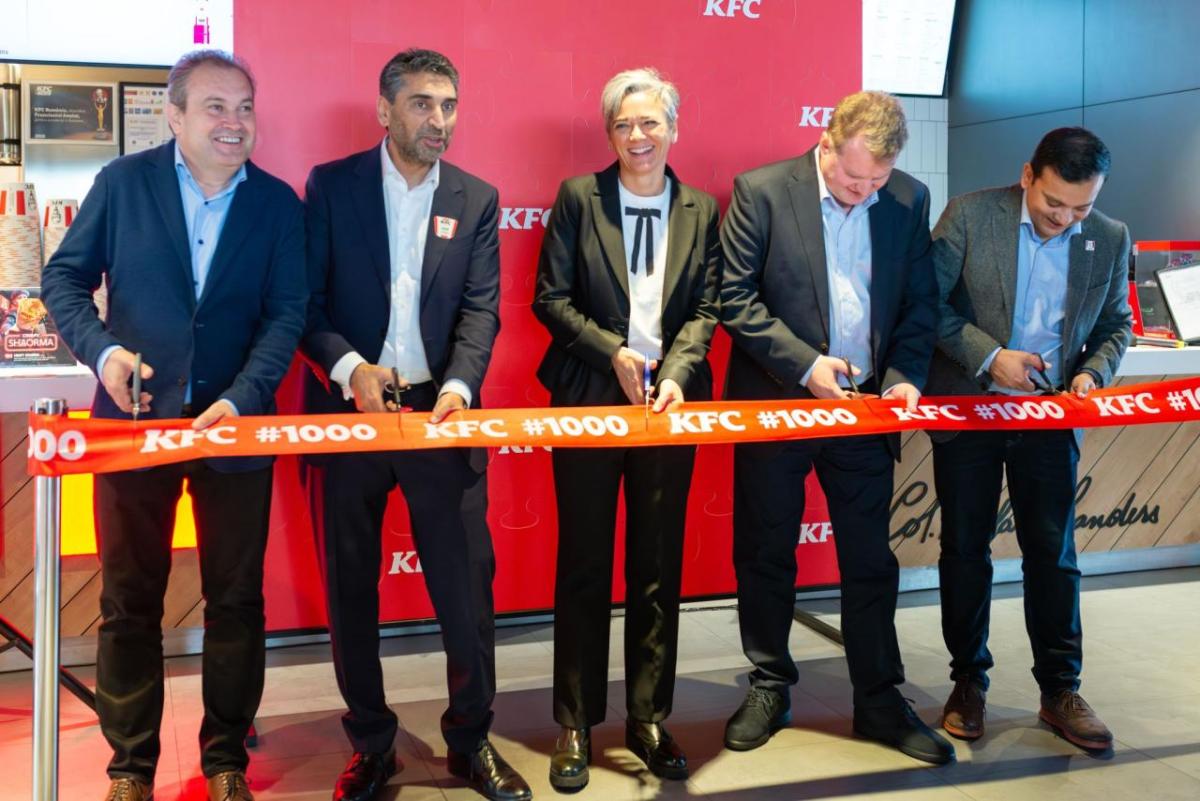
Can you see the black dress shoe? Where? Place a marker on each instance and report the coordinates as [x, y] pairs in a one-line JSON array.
[[488, 774], [899, 727], [654, 745], [365, 775], [761, 714], [570, 760]]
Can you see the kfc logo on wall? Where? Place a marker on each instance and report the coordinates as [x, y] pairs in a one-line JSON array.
[[732, 8], [522, 219], [405, 562], [815, 533], [815, 116]]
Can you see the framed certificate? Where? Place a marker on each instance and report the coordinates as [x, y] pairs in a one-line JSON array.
[[70, 112], [143, 117], [1181, 289]]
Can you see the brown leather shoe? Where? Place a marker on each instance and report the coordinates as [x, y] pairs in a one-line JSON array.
[[964, 711], [128, 788], [1068, 714], [229, 786]]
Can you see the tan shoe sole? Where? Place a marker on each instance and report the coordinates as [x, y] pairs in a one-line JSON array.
[[961, 734], [1062, 731]]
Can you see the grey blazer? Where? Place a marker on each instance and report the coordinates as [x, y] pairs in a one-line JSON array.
[[975, 260]]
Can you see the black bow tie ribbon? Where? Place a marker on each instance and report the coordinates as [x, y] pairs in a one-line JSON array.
[[643, 215]]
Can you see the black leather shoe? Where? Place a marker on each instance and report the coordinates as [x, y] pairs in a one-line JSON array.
[[899, 727], [365, 776], [761, 714], [654, 745], [570, 760], [488, 774]]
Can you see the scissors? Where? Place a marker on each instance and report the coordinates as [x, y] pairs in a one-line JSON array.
[[137, 386], [1041, 381], [854, 391], [396, 390], [647, 386]]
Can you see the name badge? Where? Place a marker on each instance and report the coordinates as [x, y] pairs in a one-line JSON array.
[[1089, 244], [444, 227]]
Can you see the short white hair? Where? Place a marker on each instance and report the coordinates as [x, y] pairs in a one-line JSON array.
[[643, 79]]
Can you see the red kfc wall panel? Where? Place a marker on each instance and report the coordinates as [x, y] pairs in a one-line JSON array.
[[753, 77]]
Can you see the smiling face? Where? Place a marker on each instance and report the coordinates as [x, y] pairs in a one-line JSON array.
[[1055, 203], [420, 119], [216, 130], [642, 137], [852, 173]]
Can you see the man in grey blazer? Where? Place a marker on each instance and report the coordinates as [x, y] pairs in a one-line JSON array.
[[1034, 299]]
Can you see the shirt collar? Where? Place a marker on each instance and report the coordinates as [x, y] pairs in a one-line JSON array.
[[185, 174], [825, 194], [1027, 224], [390, 173]]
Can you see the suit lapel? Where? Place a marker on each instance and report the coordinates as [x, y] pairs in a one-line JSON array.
[[606, 216], [1006, 237], [368, 201], [241, 218], [682, 219], [806, 206], [164, 184], [883, 291], [449, 199], [1079, 277]]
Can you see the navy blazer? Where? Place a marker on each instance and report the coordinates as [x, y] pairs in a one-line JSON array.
[[236, 341], [349, 273]]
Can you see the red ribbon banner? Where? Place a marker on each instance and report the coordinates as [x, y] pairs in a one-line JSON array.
[[59, 445]]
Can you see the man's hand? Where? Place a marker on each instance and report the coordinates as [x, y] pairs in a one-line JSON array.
[[368, 383], [1082, 384], [218, 411], [670, 395], [116, 375], [823, 382], [905, 392], [447, 402], [1011, 368], [628, 364]]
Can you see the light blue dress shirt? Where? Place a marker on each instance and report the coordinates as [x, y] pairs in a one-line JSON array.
[[1040, 303], [204, 217], [848, 267]]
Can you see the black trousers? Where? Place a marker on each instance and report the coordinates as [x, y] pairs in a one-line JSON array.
[[587, 483], [856, 476], [969, 471], [135, 517], [447, 504]]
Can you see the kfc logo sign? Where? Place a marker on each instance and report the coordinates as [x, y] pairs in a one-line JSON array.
[[815, 533], [522, 219], [731, 8], [815, 116], [404, 562]]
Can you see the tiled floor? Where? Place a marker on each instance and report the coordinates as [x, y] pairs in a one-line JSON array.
[[1142, 644]]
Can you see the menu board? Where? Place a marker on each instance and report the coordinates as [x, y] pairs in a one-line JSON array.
[[143, 116]]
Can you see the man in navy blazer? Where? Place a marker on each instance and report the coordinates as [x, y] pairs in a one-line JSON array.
[[204, 258], [404, 265]]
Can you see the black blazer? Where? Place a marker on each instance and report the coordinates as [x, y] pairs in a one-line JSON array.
[[236, 341], [583, 290], [349, 274], [775, 290]]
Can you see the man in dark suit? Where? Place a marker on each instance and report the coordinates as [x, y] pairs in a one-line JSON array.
[[204, 258], [404, 266], [827, 278], [1034, 297]]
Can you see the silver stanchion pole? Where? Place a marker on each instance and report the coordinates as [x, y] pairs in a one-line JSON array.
[[47, 586]]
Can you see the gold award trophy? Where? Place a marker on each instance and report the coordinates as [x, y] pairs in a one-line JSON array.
[[100, 101]]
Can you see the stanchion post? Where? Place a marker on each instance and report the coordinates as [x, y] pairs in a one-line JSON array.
[[47, 587]]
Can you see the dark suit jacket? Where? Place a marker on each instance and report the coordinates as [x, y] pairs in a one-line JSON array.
[[975, 260], [236, 341], [583, 290], [775, 290], [349, 273]]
